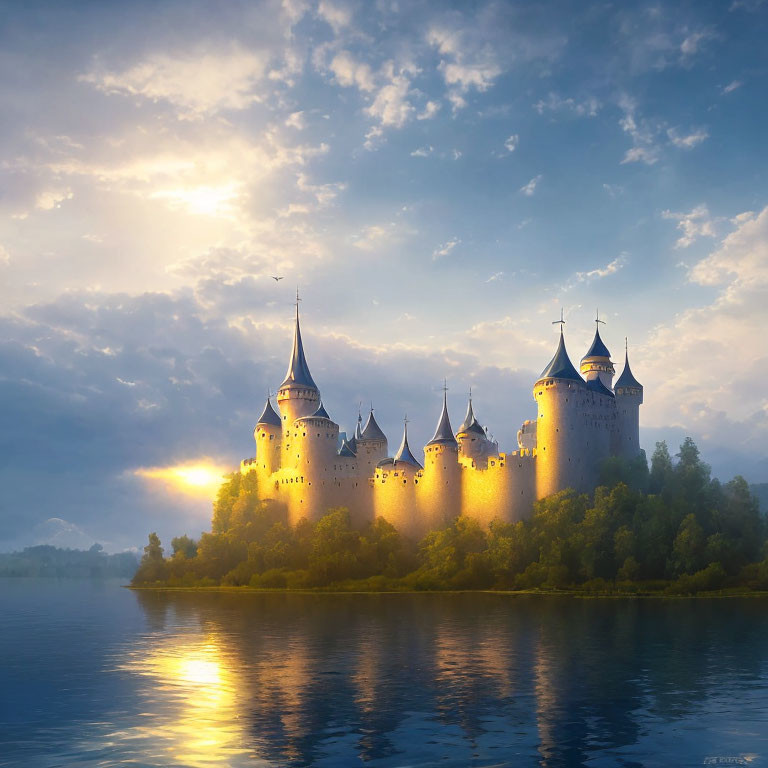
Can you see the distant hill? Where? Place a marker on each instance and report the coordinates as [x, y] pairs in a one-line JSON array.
[[46, 560], [761, 491]]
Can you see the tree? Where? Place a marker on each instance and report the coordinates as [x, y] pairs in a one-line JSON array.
[[153, 567], [661, 468], [184, 547]]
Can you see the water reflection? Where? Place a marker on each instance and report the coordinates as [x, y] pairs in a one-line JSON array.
[[342, 680]]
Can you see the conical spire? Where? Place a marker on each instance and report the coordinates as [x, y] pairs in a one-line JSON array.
[[443, 433], [627, 379], [470, 423], [372, 431], [321, 413], [598, 348], [268, 415], [359, 425], [560, 367], [404, 455], [346, 450], [298, 370]]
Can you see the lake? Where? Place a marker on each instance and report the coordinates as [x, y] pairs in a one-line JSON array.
[[96, 675]]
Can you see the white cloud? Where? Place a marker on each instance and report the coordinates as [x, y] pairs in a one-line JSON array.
[[348, 72], [511, 143], [296, 120], [643, 134], [5, 257], [456, 154], [495, 276], [431, 108], [49, 199], [336, 15], [598, 273], [391, 106], [555, 103], [529, 189], [692, 42], [693, 225], [614, 190], [444, 249], [423, 151], [688, 141], [196, 83], [732, 86]]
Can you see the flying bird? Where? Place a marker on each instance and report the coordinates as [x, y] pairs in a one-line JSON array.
[[276, 279]]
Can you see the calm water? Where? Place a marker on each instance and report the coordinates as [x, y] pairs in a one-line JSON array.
[[96, 675]]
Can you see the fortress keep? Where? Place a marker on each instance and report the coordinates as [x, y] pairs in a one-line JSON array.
[[583, 418]]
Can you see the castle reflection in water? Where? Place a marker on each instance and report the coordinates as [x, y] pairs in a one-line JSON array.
[[337, 680]]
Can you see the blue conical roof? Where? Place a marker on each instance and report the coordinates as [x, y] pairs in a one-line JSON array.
[[470, 423], [560, 367], [598, 349], [321, 413], [268, 415], [404, 455], [346, 451], [596, 385], [372, 430], [298, 370], [443, 433], [627, 379]]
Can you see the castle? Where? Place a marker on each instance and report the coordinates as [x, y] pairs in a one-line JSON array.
[[303, 462]]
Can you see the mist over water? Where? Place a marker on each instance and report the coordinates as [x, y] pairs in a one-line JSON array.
[[93, 674]]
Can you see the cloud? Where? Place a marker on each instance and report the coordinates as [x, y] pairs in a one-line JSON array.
[[687, 141], [642, 133], [693, 225], [529, 189], [511, 142], [198, 83], [431, 108], [349, 72], [423, 151], [296, 120], [49, 199], [555, 103], [495, 276], [373, 237], [443, 250], [337, 16], [691, 44], [391, 106], [613, 190], [598, 273], [5, 256], [732, 86]]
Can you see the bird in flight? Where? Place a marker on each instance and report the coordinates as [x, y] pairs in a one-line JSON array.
[[276, 279]]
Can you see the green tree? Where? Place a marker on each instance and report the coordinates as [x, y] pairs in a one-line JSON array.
[[152, 567]]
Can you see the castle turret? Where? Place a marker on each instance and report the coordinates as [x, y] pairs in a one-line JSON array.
[[440, 496], [371, 445], [298, 395], [629, 398], [560, 449], [596, 364], [268, 436], [474, 445], [395, 486]]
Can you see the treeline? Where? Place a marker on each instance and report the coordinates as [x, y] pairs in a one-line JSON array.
[[46, 560], [672, 528]]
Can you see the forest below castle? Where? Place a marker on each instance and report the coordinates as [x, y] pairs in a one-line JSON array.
[[667, 529]]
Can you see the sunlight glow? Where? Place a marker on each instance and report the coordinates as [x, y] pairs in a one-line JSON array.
[[199, 478]]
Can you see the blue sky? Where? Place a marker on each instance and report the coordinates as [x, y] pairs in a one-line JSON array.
[[439, 178]]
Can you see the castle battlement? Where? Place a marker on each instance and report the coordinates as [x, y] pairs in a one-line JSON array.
[[582, 419]]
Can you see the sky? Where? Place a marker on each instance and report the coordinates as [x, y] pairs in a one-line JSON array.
[[438, 179]]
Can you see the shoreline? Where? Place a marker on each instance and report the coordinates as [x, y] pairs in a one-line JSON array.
[[583, 594]]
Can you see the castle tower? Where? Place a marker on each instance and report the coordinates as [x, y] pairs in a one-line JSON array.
[[395, 490], [629, 398], [268, 436], [441, 492], [298, 395], [560, 394], [474, 445], [371, 444], [596, 364]]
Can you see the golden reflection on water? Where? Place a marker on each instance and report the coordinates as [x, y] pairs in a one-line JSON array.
[[189, 702]]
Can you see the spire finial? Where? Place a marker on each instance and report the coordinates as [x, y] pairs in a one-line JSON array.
[[597, 318], [470, 393], [626, 346], [561, 321]]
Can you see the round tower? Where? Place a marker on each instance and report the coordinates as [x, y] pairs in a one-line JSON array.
[[629, 398], [268, 436], [596, 364], [560, 448], [298, 395], [395, 484], [440, 490]]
